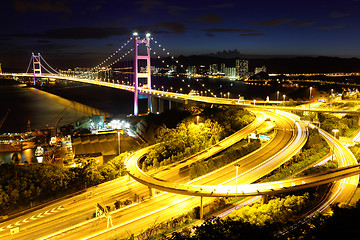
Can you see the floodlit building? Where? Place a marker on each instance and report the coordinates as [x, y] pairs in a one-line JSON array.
[[230, 72], [222, 67], [214, 69], [242, 68], [260, 69], [191, 70]]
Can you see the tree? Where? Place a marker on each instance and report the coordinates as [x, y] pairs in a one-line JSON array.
[[15, 158]]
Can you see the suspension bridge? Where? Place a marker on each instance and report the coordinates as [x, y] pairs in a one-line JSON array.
[[129, 68]]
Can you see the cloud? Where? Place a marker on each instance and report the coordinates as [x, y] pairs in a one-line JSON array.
[[338, 26], [229, 30], [171, 26], [336, 14], [224, 5], [162, 27], [210, 18], [302, 24], [209, 34], [275, 22], [77, 33], [252, 34], [40, 6], [148, 5]]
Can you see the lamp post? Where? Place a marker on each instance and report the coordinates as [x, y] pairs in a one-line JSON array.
[[277, 95], [197, 120], [334, 131], [284, 96], [237, 172], [119, 137], [331, 95]]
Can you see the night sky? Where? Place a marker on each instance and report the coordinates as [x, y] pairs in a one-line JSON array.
[[82, 33]]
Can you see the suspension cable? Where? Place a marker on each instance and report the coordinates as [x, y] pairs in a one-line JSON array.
[[113, 54], [49, 65], [31, 59]]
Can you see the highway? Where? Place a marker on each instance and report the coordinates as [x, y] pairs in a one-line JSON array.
[[342, 190], [167, 205], [79, 208], [250, 170]]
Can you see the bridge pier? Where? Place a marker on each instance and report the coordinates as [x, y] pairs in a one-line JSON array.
[[264, 199], [201, 208], [161, 105], [151, 192], [155, 104], [150, 104]]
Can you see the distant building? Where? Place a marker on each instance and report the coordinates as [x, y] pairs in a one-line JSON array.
[[222, 67], [191, 70], [260, 69], [230, 72], [242, 68], [214, 69]]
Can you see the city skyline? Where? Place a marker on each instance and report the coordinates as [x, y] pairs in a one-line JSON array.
[[80, 33]]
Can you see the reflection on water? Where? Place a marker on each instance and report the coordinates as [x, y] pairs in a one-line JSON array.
[[25, 155], [41, 108]]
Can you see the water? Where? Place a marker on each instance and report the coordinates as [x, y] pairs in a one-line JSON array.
[[45, 109], [70, 103]]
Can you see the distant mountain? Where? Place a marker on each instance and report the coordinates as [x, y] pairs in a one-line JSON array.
[[286, 64]]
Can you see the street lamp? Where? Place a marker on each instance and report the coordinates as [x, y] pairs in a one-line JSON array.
[[237, 172], [197, 120], [119, 137], [277, 96], [284, 96], [331, 95], [334, 131]]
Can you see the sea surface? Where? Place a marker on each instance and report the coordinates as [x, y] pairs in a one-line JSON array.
[[49, 107]]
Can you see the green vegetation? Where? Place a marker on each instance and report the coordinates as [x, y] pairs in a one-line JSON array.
[[260, 221], [346, 125], [356, 151], [318, 169], [186, 139], [342, 224], [37, 183], [233, 153], [314, 149], [195, 133], [278, 210]]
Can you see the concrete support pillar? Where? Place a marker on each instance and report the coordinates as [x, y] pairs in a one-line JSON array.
[[264, 199], [150, 104], [155, 103], [161, 105], [170, 104], [151, 192], [201, 208]]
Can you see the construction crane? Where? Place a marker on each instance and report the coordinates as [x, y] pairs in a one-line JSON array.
[[4, 118]]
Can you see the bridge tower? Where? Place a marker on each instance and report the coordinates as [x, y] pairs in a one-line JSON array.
[[137, 74], [36, 66]]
